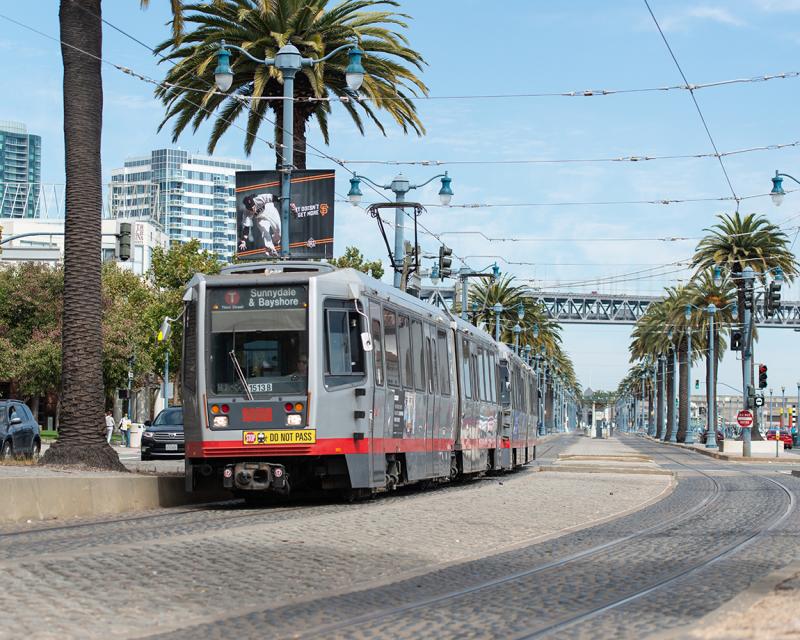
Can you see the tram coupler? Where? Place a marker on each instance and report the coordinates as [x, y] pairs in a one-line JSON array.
[[256, 476]]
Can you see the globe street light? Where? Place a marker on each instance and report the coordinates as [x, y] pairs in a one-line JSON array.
[[288, 61], [777, 194], [517, 330], [400, 186], [498, 309]]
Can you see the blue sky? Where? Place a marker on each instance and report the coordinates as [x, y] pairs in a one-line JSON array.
[[527, 47]]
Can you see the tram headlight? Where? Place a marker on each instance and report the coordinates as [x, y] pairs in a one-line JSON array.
[[294, 420], [220, 421]]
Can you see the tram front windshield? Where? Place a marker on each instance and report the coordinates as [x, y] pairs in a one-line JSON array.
[[270, 353]]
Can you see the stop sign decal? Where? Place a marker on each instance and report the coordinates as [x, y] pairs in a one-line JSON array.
[[744, 418]]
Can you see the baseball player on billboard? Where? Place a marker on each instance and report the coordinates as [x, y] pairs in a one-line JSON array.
[[260, 210]]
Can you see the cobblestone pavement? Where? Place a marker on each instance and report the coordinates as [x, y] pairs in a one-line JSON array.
[[508, 556], [175, 568]]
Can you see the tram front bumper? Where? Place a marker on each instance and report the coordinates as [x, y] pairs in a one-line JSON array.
[[256, 476]]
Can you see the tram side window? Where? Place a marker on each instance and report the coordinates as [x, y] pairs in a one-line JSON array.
[[418, 355], [443, 362], [481, 361], [466, 376], [377, 351], [430, 356], [190, 347], [390, 344], [404, 338], [492, 379], [345, 354]]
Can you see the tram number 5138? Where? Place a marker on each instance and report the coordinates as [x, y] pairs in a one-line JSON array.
[[260, 387]]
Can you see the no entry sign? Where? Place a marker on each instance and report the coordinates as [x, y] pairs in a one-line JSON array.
[[745, 418]]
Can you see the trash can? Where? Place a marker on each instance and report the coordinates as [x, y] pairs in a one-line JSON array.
[[136, 435], [599, 430]]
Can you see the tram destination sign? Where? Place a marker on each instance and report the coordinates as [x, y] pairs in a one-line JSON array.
[[259, 298]]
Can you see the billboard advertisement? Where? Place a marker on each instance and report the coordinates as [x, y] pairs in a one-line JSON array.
[[258, 214]]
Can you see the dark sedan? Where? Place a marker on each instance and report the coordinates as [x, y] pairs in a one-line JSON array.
[[164, 436], [19, 432]]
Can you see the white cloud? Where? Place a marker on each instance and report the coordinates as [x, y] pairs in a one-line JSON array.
[[778, 6], [683, 21]]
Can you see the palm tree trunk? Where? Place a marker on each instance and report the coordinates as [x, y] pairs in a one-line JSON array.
[[670, 404], [81, 430], [684, 399], [659, 402]]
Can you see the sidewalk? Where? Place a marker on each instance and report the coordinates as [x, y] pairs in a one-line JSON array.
[[604, 455], [31, 492]]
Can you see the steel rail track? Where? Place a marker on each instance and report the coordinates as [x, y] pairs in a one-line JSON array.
[[708, 561], [458, 593]]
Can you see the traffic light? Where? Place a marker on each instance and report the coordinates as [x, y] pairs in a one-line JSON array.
[[772, 301], [445, 261], [748, 295], [762, 376], [124, 240], [696, 384], [122, 394], [736, 341]]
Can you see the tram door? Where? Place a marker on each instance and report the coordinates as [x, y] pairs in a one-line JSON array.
[[378, 419], [433, 466]]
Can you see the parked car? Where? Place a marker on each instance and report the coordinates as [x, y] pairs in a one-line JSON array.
[[19, 432], [701, 436], [164, 436], [785, 437]]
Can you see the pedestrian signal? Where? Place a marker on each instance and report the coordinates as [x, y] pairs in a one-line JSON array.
[[736, 341]]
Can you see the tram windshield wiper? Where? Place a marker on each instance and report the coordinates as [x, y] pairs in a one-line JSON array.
[[240, 374]]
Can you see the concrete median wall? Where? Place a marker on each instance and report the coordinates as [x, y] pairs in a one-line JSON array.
[[56, 497]]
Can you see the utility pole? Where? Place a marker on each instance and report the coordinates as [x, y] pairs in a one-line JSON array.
[[711, 437]]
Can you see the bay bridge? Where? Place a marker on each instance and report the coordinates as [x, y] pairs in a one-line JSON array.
[[601, 308]]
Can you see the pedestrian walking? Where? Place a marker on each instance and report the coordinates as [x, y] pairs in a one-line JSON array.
[[125, 429], [109, 426]]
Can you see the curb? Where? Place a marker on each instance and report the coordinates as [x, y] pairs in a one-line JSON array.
[[722, 456], [760, 589], [48, 498], [599, 469]]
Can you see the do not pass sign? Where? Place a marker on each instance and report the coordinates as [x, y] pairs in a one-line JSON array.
[[744, 418]]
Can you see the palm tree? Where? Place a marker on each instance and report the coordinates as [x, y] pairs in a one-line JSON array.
[[81, 438], [262, 27], [736, 242]]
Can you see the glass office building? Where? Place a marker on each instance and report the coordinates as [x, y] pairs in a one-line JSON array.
[[20, 170], [191, 196]]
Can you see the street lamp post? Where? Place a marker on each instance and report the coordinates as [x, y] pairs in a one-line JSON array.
[[400, 186], [747, 353], [517, 331], [288, 61], [769, 426], [662, 401], [783, 406], [689, 436], [673, 397], [711, 412], [642, 404], [498, 309]]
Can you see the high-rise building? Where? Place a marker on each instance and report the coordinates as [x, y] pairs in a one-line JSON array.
[[192, 196], [20, 170]]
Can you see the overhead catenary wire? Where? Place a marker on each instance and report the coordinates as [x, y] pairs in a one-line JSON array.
[[610, 159], [696, 104]]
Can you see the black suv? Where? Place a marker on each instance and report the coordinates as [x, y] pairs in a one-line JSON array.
[[19, 432], [164, 436]]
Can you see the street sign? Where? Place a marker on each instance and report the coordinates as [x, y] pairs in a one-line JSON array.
[[759, 401], [745, 419]]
